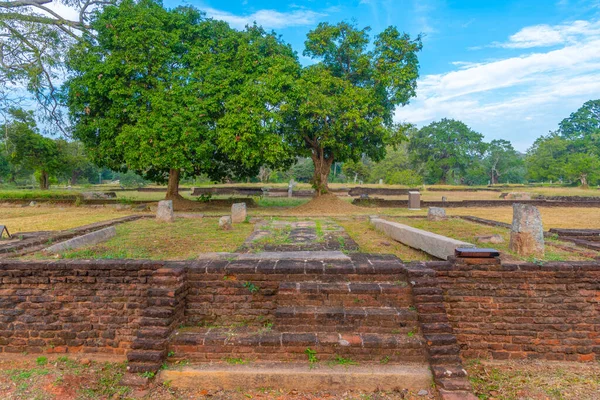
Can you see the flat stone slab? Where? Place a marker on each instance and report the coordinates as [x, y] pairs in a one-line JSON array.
[[88, 239], [290, 376], [294, 255], [437, 245]]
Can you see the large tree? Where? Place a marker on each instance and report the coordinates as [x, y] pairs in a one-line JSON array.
[[501, 159], [342, 107], [169, 92], [445, 150], [31, 150]]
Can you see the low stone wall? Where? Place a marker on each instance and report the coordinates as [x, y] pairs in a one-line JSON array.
[[522, 311], [474, 203]]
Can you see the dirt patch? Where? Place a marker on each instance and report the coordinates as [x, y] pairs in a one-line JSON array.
[[327, 204]]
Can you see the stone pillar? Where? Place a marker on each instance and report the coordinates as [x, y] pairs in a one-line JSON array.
[[436, 214], [165, 211], [238, 213], [527, 232], [225, 223], [414, 201]]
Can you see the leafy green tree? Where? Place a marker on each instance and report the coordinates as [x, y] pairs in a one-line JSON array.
[[445, 150], [30, 149], [342, 107], [582, 167], [583, 123], [76, 163], [546, 158], [356, 170], [501, 159], [167, 93]]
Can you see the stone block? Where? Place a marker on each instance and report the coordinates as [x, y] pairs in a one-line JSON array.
[[88, 239], [436, 214], [165, 213], [431, 243], [414, 200], [238, 213], [527, 231], [225, 223], [495, 239]]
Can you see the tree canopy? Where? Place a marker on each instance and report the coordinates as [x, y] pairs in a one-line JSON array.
[[165, 92], [342, 107]]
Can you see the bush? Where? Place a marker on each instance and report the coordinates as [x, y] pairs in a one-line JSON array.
[[405, 177]]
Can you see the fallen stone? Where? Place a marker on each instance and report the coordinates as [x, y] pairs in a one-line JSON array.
[[422, 392], [437, 245], [88, 239], [164, 213], [436, 214], [238, 213], [141, 207], [527, 231], [33, 204], [495, 239], [225, 223]]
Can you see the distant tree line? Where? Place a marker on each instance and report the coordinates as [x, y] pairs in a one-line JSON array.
[[169, 95]]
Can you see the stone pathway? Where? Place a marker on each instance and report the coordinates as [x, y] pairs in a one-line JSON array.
[[294, 236]]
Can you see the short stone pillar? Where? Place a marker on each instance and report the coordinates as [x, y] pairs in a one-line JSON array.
[[527, 232], [414, 200], [165, 211], [291, 188], [225, 223], [238, 213], [436, 214]]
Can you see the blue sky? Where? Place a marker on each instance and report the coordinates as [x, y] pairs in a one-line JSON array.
[[509, 69]]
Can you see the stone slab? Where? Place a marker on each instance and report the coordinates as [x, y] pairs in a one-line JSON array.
[[88, 239], [301, 377], [437, 245], [294, 255]]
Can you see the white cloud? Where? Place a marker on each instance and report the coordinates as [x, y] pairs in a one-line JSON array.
[[547, 35], [517, 98], [269, 19]]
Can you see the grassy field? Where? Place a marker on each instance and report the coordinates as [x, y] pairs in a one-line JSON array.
[[49, 218], [184, 239]]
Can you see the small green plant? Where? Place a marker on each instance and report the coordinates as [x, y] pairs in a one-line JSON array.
[[78, 201], [204, 198], [235, 361], [339, 360], [147, 374], [411, 334], [171, 354], [384, 360], [395, 331], [312, 356], [251, 287], [401, 283], [342, 241], [41, 360]]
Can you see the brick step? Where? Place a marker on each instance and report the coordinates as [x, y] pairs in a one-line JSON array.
[[346, 319], [300, 376], [344, 294], [251, 344]]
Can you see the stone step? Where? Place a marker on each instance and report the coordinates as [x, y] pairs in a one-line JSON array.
[[344, 294], [347, 319], [301, 376], [252, 344]]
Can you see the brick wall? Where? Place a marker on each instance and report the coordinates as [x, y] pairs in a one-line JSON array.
[[72, 306], [519, 311]]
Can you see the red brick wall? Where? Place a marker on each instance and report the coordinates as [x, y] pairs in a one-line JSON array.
[[518, 311], [72, 306]]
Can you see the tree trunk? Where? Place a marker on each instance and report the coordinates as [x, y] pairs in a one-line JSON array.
[[322, 170], [584, 182], [44, 180], [74, 177], [173, 186]]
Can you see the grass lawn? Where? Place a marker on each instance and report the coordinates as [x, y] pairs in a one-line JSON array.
[[534, 380], [467, 231], [184, 239], [51, 218]]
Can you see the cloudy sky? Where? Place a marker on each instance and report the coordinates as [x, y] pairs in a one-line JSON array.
[[508, 68]]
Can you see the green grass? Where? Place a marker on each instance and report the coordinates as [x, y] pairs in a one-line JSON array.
[[28, 194], [278, 202], [183, 239]]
